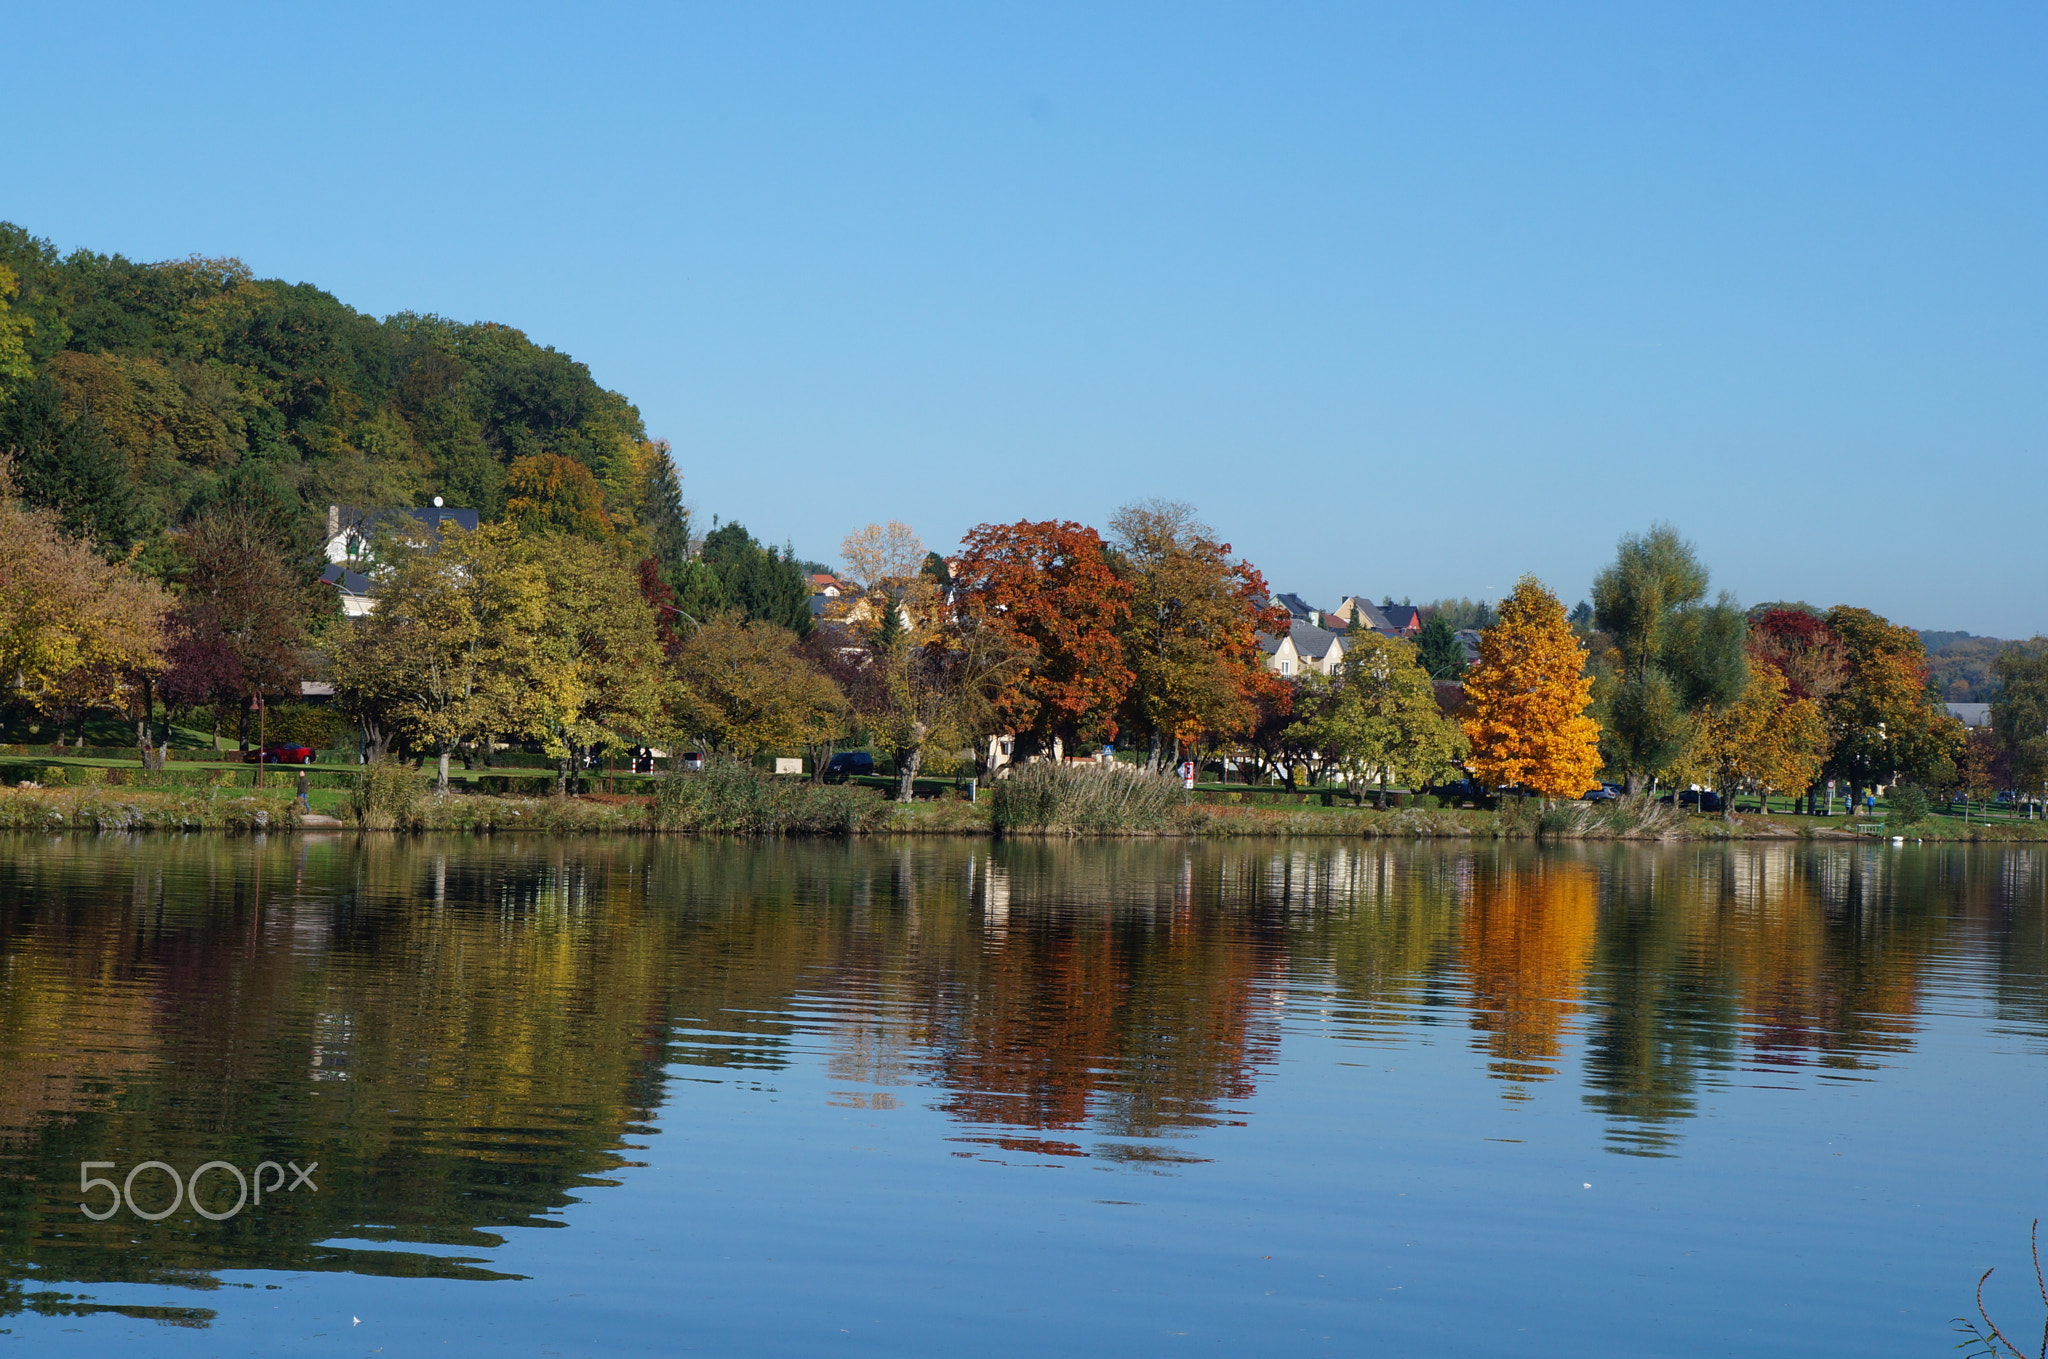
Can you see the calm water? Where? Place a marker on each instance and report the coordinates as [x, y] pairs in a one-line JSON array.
[[612, 1097]]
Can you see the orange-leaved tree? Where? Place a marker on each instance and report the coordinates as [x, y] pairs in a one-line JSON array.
[[548, 491], [1050, 587], [1526, 700], [1192, 639]]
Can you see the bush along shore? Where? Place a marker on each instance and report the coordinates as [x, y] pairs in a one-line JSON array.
[[733, 798]]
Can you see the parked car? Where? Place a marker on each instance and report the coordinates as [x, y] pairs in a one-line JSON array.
[[847, 763], [277, 753], [1606, 792], [1694, 799]]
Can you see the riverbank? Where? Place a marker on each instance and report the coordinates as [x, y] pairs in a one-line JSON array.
[[242, 811]]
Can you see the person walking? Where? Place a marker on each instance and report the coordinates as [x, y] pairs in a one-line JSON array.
[[305, 803]]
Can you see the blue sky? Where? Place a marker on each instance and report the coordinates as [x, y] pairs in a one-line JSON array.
[[1405, 300]]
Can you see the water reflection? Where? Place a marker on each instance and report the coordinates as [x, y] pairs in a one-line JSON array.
[[467, 1035]]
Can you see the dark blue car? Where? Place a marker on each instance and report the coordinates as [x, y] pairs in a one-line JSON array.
[[847, 763]]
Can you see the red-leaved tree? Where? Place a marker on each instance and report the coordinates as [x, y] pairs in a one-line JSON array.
[[1050, 586]]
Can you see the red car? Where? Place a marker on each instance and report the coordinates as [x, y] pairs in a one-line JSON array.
[[279, 754]]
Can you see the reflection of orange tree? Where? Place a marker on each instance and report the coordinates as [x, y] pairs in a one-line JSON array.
[[1528, 939], [1065, 1018]]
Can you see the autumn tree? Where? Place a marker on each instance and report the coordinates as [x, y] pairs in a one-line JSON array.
[[1670, 655], [240, 631], [1798, 644], [597, 682], [2020, 716], [15, 328], [743, 688], [883, 553], [1767, 740], [75, 630], [1049, 587], [1883, 723], [937, 685], [548, 493], [893, 591], [450, 655], [1526, 700], [1382, 723], [1191, 638]]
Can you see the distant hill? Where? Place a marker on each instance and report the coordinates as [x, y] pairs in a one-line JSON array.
[[1959, 665], [199, 373]]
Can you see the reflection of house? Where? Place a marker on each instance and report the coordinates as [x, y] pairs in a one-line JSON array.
[[352, 535], [1302, 648]]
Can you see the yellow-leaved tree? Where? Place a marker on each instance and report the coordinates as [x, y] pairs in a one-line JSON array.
[[1526, 700], [1766, 740]]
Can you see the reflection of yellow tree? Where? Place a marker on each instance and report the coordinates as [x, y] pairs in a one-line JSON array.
[[1812, 987], [1528, 940]]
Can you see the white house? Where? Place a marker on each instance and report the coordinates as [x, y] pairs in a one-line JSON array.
[[1302, 648]]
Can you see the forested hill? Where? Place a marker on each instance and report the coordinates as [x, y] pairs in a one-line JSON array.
[[145, 392]]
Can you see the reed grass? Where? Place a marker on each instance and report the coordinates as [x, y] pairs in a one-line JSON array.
[[1085, 799]]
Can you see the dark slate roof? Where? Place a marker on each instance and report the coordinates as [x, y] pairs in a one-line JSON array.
[[434, 516], [347, 581], [1401, 616], [1312, 642], [1296, 605]]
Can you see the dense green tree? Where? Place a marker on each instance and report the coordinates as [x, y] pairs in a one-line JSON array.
[[1667, 656], [1441, 654], [668, 523], [1382, 723], [69, 466], [762, 583]]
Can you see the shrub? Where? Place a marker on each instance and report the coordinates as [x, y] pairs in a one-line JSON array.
[[1085, 800], [1426, 802], [387, 796], [1908, 805], [306, 724], [737, 799]]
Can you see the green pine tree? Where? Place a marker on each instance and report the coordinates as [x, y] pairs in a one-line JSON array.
[[667, 521], [1438, 649]]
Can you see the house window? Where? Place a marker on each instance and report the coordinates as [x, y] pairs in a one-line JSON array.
[[1286, 666]]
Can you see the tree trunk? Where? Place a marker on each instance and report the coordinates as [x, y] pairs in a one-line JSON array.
[[142, 722], [442, 783], [562, 775], [907, 766], [1381, 802], [1635, 782], [1152, 758]]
